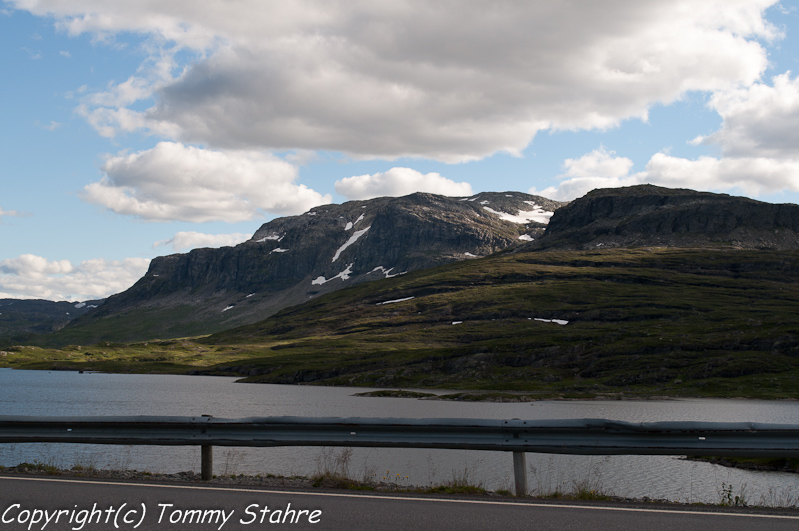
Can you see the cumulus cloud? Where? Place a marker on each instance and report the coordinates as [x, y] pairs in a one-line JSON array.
[[758, 139], [176, 182], [600, 168], [751, 175], [453, 81], [759, 120], [397, 182], [35, 266], [34, 277], [183, 241]]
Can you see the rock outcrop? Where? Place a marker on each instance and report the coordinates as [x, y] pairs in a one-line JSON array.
[[647, 215]]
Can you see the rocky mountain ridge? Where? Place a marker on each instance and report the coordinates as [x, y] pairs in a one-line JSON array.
[[290, 260], [654, 216]]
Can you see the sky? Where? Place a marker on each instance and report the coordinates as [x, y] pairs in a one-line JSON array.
[[131, 130]]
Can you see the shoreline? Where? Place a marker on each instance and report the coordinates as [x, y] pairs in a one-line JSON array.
[[452, 395]]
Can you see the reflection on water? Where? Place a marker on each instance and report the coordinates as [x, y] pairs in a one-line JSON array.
[[41, 393]]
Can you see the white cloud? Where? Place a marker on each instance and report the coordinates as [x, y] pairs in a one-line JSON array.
[[397, 182], [759, 144], [759, 121], [597, 169], [453, 81], [176, 182], [749, 175], [183, 241], [34, 277], [32, 265]]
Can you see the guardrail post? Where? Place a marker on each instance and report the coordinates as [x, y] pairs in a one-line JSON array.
[[520, 473], [207, 460]]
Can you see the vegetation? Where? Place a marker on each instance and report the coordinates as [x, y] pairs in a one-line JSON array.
[[641, 322]]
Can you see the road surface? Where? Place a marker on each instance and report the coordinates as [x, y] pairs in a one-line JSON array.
[[73, 504]]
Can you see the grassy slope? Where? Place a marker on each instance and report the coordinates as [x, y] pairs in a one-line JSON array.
[[664, 322]]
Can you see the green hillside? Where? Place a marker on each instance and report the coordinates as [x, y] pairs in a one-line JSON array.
[[640, 322]]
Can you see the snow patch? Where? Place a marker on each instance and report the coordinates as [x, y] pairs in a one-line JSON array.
[[526, 237], [395, 300], [387, 272], [344, 275], [484, 202], [470, 255], [524, 216], [250, 295], [278, 250], [357, 234], [556, 321], [277, 237], [457, 322], [226, 309], [311, 213], [350, 224], [80, 305]]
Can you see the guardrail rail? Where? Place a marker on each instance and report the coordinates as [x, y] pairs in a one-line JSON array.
[[558, 436]]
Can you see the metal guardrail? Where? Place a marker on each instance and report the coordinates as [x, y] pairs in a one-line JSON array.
[[579, 436]]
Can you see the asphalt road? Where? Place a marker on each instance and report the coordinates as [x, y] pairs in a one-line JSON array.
[[27, 503]]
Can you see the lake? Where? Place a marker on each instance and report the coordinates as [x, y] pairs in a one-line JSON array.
[[57, 393]]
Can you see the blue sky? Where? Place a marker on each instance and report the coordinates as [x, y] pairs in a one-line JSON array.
[[138, 130]]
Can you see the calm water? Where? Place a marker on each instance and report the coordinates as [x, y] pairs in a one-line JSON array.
[[72, 394]]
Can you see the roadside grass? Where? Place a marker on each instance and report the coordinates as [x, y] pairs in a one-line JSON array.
[[334, 471]]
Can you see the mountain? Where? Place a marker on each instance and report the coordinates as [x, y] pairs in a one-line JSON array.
[[636, 291], [647, 215], [291, 260], [20, 319]]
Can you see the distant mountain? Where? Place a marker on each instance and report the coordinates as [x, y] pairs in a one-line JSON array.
[[293, 259], [21, 319], [647, 215]]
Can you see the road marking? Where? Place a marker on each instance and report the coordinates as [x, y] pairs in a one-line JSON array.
[[408, 498]]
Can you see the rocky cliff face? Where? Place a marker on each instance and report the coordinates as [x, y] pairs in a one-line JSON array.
[[292, 259], [648, 215]]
